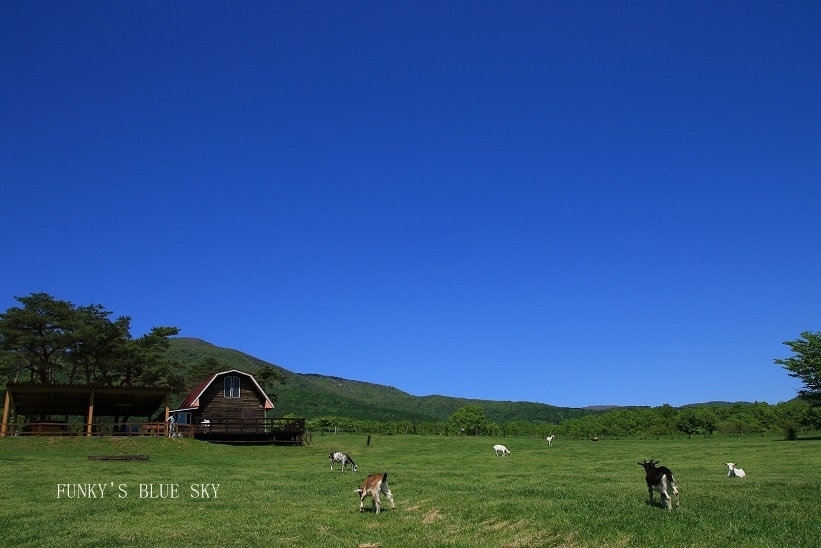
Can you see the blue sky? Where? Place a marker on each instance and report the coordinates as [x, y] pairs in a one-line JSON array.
[[574, 203]]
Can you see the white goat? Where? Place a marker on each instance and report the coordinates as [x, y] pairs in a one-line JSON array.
[[550, 439], [373, 485], [734, 471], [500, 449]]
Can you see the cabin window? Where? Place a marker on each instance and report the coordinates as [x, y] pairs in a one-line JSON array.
[[231, 387], [183, 418]]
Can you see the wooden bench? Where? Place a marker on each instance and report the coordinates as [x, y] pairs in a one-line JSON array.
[[118, 457]]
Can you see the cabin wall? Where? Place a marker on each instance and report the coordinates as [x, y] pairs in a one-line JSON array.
[[214, 406]]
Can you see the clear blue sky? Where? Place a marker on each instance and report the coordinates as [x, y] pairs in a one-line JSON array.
[[573, 203]]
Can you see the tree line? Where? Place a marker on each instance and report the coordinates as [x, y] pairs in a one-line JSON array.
[[50, 341], [800, 414], [788, 418]]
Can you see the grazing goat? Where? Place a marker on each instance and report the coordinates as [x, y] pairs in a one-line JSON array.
[[660, 479], [373, 485], [550, 439], [500, 449], [344, 458], [734, 471]]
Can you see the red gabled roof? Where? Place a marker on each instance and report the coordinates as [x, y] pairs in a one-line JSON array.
[[193, 399]]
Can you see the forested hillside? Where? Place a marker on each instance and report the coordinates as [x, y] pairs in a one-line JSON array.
[[312, 396], [331, 403]]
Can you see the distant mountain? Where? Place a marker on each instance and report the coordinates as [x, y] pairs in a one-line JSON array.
[[312, 396], [718, 403]]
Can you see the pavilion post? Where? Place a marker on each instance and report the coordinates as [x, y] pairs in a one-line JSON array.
[[90, 413], [167, 402], [4, 426]]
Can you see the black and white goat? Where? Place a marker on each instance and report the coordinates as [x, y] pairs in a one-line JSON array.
[[344, 458], [660, 479], [372, 486], [550, 439]]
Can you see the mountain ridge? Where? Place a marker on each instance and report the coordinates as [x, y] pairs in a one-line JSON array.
[[314, 395]]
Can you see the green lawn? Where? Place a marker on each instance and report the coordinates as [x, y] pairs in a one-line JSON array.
[[449, 491]]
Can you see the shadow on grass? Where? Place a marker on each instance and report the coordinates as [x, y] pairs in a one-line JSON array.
[[372, 510], [656, 504]]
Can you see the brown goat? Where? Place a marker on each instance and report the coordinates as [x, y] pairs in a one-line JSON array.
[[373, 485]]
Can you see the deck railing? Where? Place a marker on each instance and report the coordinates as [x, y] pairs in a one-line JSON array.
[[56, 428], [250, 426]]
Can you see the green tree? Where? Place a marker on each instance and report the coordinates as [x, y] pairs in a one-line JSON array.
[[199, 371], [688, 422], [52, 341], [661, 420], [764, 417], [813, 418], [805, 364], [268, 377], [791, 417], [99, 345], [707, 418], [39, 334], [145, 363], [572, 427], [469, 419], [591, 426]]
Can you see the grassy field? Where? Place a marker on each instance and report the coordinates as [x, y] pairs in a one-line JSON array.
[[449, 492]]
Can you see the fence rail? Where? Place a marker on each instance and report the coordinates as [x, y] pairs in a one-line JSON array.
[[292, 428], [56, 428]]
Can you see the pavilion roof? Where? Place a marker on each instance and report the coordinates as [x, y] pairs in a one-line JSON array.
[[60, 399]]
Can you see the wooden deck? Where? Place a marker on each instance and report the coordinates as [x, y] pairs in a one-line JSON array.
[[290, 431]]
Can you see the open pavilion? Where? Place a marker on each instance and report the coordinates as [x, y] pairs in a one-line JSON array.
[[28, 399]]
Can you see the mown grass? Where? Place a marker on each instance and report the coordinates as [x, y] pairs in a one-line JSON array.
[[450, 491]]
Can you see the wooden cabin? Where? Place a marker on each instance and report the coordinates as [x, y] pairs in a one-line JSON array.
[[231, 407]]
